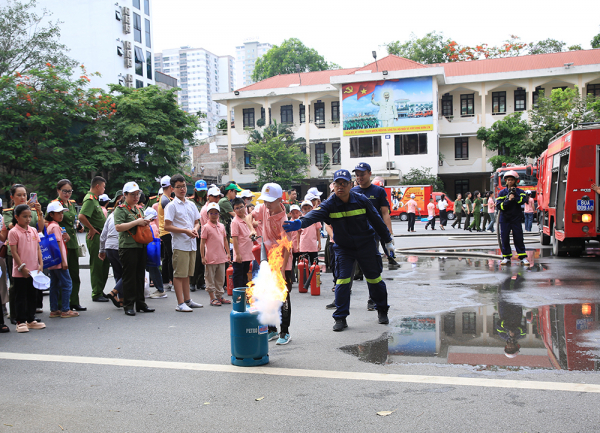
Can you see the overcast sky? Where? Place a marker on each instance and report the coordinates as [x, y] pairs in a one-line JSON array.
[[347, 32]]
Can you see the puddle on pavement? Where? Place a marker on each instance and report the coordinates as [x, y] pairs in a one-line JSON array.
[[503, 336]]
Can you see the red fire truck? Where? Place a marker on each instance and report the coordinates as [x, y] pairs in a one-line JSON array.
[[527, 178], [567, 209]]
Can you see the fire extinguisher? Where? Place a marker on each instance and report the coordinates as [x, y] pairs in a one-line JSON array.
[[256, 250], [302, 274], [229, 274], [314, 279]]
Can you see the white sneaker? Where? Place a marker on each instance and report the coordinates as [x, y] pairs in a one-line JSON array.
[[193, 304], [525, 262], [168, 287], [158, 294], [183, 308], [505, 261]]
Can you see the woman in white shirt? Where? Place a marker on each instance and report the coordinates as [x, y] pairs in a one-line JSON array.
[[442, 205]]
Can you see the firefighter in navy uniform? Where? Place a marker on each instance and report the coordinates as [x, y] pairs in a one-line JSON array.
[[509, 203], [355, 222], [510, 325]]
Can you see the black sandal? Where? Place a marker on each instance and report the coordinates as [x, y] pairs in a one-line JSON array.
[[4, 329]]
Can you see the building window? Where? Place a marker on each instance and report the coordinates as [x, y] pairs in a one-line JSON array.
[[461, 186], [262, 113], [137, 28], [467, 105], [539, 91], [593, 89], [410, 144], [147, 7], [139, 61], [248, 117], [469, 323], [248, 163], [335, 111], [461, 148], [287, 114], [136, 4], [320, 114], [319, 154], [520, 100], [336, 158], [364, 147], [498, 102], [450, 324], [139, 84], [148, 65], [302, 113], [148, 41], [447, 108]]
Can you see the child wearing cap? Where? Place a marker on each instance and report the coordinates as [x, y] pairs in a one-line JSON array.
[[166, 239], [214, 249], [271, 216], [60, 279], [242, 244], [411, 211], [104, 199], [310, 239], [295, 213]]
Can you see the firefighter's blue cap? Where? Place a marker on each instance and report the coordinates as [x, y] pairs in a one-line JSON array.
[[342, 174], [363, 166]]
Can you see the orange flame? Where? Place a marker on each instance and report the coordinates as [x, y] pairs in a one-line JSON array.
[[275, 258]]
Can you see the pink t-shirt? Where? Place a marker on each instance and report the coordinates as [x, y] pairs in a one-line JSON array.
[[27, 244], [309, 241], [203, 215], [54, 228], [412, 206], [529, 205], [491, 205], [431, 210], [240, 229], [295, 239], [215, 247], [272, 228]]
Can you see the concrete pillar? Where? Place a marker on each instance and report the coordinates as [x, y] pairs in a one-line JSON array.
[[483, 123], [580, 85], [307, 124], [229, 149], [530, 91]]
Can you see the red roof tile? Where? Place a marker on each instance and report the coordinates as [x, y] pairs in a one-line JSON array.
[[392, 63], [308, 79]]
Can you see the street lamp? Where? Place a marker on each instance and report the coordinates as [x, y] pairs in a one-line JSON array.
[[375, 57]]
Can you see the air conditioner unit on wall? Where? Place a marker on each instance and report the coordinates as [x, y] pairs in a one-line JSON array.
[[129, 78], [129, 84], [128, 54], [126, 10], [390, 165], [127, 45], [128, 63], [126, 28], [127, 19]]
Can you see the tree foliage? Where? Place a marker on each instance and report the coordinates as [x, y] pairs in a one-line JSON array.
[[278, 156], [509, 136], [423, 176], [284, 58], [431, 48], [25, 43], [595, 41]]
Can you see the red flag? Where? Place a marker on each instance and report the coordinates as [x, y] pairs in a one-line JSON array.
[[349, 90], [367, 88]]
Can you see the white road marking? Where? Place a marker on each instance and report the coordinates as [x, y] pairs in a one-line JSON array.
[[320, 374]]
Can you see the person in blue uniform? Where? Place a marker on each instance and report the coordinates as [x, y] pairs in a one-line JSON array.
[[509, 203], [354, 221]]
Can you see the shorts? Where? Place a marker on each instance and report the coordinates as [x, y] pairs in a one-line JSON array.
[[184, 263], [214, 278]]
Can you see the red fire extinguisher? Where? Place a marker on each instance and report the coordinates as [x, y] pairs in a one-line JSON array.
[[302, 274], [314, 279], [256, 251], [229, 274]]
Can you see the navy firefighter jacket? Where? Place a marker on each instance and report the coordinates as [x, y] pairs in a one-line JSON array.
[[354, 223], [510, 210]]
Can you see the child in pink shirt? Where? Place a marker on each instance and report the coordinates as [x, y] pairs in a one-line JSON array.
[[27, 257], [310, 237], [214, 249], [430, 214], [60, 279], [242, 244], [295, 213]]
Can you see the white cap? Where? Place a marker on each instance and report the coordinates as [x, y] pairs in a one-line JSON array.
[[214, 191], [131, 187], [104, 197], [306, 203], [55, 206], [270, 192], [160, 191], [295, 207], [213, 206], [165, 181], [314, 191], [150, 212], [247, 194], [528, 192], [412, 196], [0, 202], [309, 196]]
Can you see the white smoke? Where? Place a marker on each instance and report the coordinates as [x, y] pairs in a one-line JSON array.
[[267, 296]]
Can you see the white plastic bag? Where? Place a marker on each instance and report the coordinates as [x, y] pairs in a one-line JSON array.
[[147, 292]]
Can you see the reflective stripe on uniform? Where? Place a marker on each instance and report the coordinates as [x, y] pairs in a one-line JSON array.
[[348, 213], [373, 280], [343, 281], [501, 198], [521, 254]]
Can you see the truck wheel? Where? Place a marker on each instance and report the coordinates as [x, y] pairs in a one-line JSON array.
[[403, 216], [451, 215], [544, 238], [557, 247]]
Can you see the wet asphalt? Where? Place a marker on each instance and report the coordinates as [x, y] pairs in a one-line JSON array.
[[445, 320]]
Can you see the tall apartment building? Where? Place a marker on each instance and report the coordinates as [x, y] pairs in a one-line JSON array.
[[199, 73], [112, 38], [246, 56]]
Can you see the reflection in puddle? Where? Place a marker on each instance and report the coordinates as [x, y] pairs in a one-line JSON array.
[[503, 335]]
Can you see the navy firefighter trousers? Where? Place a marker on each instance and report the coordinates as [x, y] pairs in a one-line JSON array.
[[370, 262], [506, 226]]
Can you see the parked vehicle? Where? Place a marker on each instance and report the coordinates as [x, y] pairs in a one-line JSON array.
[[527, 178], [399, 195]]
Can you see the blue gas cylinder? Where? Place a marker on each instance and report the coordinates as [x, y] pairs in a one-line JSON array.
[[249, 343]]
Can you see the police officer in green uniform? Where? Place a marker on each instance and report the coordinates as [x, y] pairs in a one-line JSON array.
[[64, 189], [112, 205], [93, 219]]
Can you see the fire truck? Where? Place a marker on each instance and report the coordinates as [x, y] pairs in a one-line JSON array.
[[567, 211], [399, 195], [527, 178]]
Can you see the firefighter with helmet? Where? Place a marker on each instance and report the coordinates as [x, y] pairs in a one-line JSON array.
[[509, 203]]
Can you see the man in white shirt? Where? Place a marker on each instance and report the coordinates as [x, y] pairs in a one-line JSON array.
[[182, 220]]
